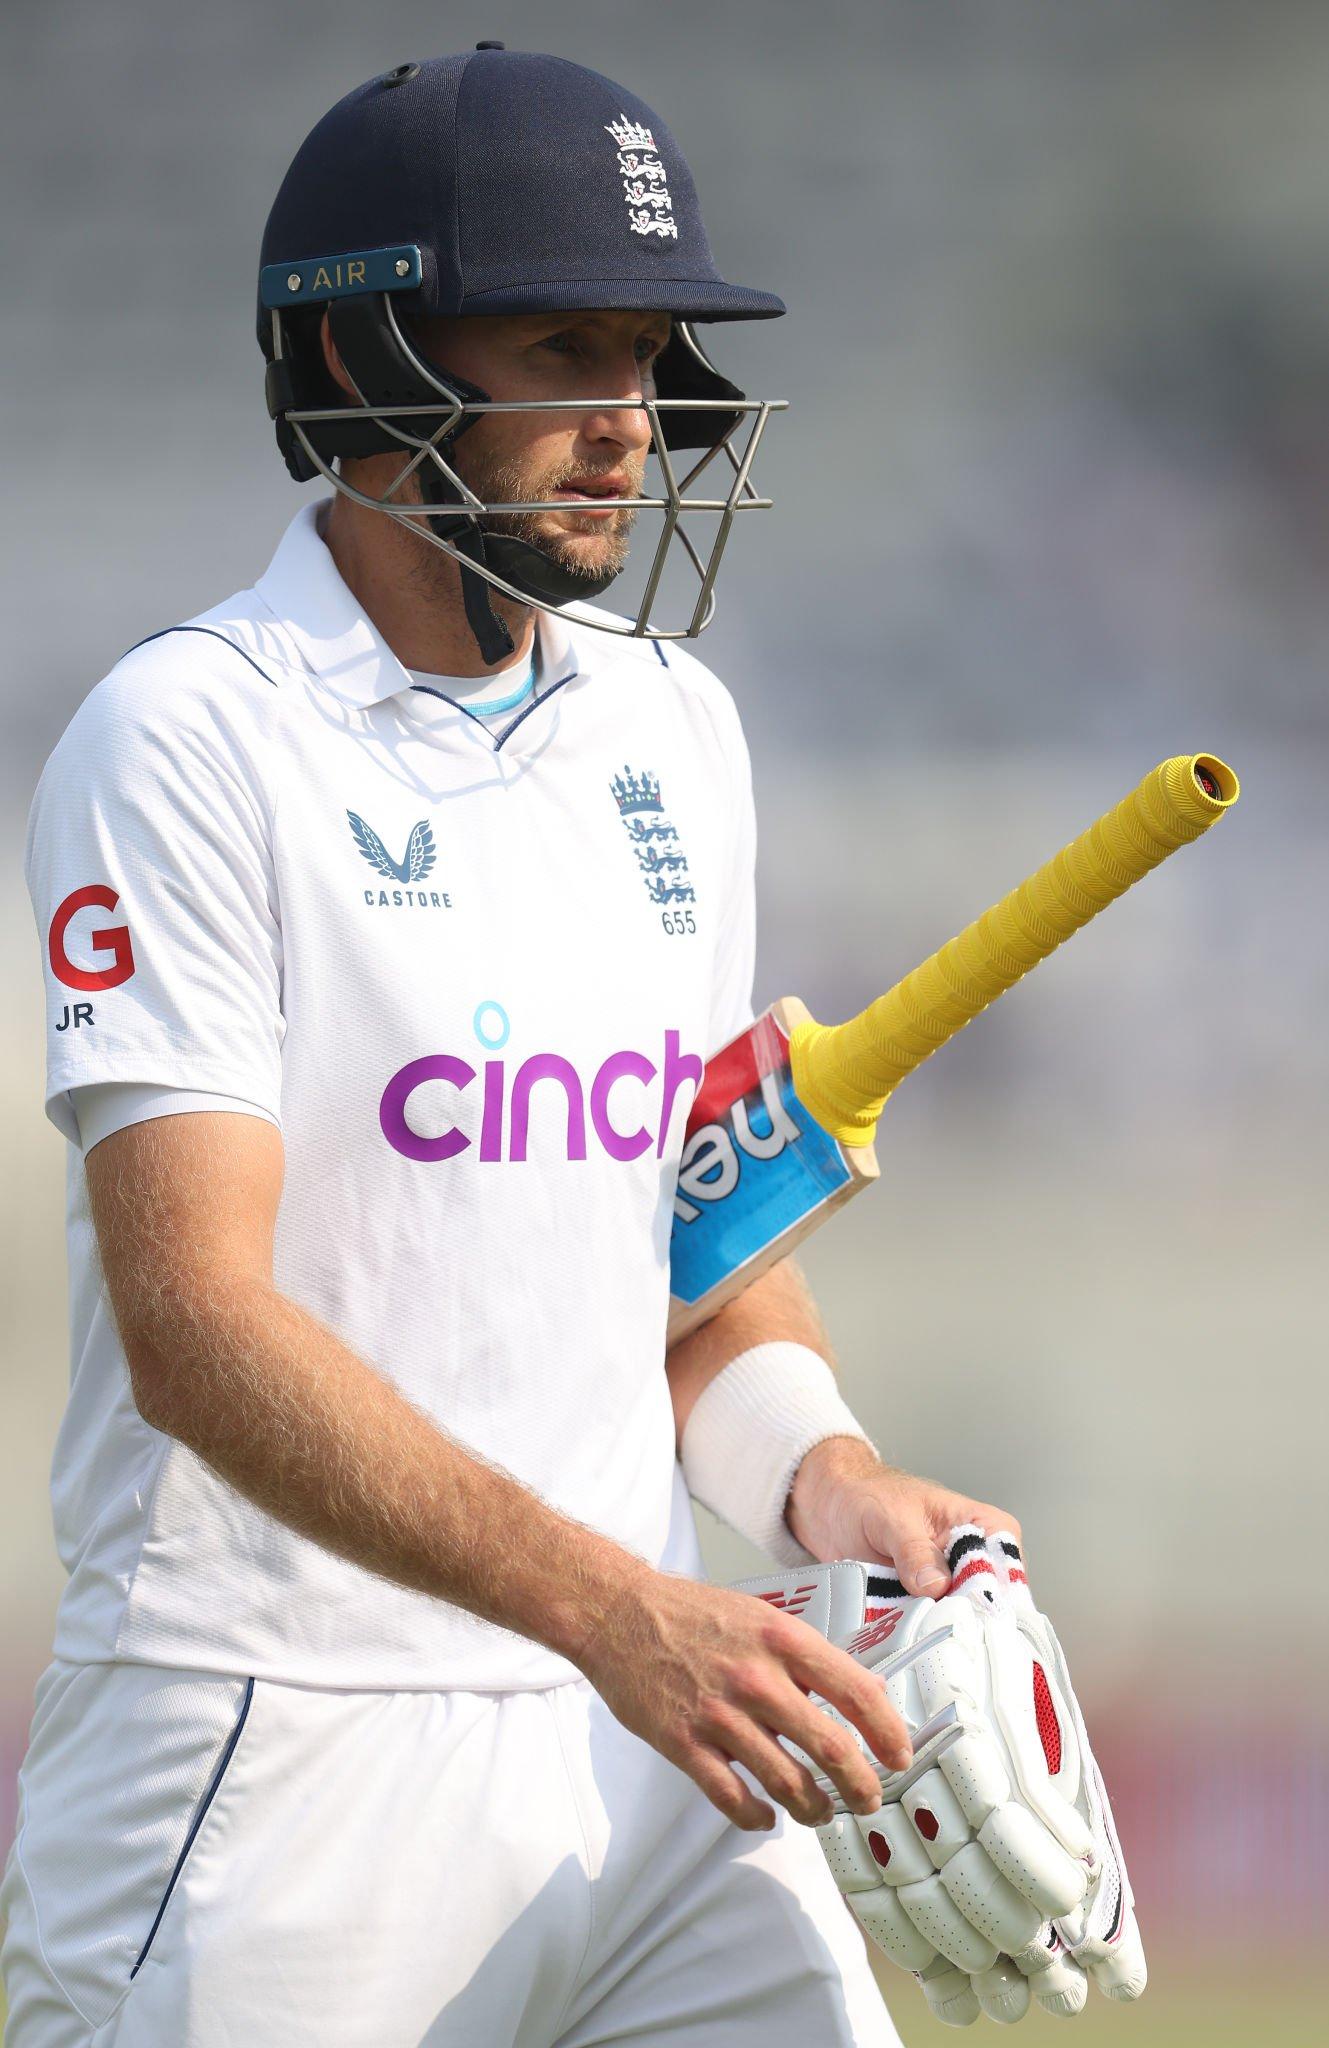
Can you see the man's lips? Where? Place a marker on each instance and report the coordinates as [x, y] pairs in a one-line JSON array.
[[615, 485], [584, 495]]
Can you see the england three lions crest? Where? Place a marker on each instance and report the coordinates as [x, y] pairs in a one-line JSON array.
[[645, 187], [660, 859]]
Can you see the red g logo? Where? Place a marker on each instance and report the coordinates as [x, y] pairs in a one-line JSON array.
[[113, 939]]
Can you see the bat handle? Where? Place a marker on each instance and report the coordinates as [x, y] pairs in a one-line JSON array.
[[844, 1073]]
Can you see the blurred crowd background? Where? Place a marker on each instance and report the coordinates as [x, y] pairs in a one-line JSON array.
[[1052, 502]]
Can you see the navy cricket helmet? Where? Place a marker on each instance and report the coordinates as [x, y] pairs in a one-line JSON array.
[[497, 182]]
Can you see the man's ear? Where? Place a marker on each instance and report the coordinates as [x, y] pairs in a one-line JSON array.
[[336, 368]]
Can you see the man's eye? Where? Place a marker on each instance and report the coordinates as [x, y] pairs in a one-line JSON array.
[[645, 349]]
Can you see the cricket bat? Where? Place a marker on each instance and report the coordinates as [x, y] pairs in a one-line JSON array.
[[781, 1132]]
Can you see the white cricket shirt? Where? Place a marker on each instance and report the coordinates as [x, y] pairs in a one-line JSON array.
[[473, 975]]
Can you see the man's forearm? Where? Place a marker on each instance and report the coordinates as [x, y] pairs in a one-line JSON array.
[[777, 1309], [307, 1431], [750, 1439]]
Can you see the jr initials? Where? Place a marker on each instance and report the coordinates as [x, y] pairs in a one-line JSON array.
[[75, 1014]]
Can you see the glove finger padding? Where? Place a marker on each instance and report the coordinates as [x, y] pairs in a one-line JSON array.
[[992, 1869], [1002, 1992], [950, 1993], [1058, 1983]]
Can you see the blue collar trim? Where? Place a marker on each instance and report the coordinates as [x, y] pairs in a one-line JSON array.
[[493, 705], [526, 697]]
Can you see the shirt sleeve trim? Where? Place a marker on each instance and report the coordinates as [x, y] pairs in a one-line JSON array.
[[103, 1108], [63, 1082]]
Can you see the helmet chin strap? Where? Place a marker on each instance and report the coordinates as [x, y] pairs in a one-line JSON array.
[[492, 636], [386, 376], [519, 562]]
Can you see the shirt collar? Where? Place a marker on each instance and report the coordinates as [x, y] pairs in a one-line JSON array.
[[302, 588]]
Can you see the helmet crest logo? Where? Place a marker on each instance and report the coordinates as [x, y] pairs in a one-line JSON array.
[[645, 188]]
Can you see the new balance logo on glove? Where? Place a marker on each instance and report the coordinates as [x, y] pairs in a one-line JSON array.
[[992, 1869]]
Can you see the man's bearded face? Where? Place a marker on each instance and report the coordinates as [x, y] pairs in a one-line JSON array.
[[606, 359], [579, 538]]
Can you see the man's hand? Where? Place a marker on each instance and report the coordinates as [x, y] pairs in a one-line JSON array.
[[846, 1503], [712, 1678]]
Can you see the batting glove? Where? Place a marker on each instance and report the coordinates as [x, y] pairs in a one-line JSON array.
[[992, 1869]]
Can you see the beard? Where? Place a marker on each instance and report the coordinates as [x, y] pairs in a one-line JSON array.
[[587, 546]]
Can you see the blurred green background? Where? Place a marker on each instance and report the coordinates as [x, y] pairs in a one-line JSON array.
[[1184, 2011], [1052, 503]]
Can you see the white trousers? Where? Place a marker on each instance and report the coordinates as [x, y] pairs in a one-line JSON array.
[[214, 1862]]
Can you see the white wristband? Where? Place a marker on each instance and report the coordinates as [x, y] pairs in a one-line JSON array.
[[751, 1430]]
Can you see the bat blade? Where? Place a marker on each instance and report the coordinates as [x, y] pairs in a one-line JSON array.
[[781, 1131], [758, 1173]]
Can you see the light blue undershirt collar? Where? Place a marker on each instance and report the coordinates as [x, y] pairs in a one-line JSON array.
[[460, 690], [492, 706]]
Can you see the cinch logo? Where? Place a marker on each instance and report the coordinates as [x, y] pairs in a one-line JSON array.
[[414, 865], [506, 1100], [112, 939]]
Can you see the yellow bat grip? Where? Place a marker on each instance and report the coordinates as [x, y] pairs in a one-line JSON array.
[[844, 1073]]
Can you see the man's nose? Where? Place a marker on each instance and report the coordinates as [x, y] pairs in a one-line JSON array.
[[627, 425]]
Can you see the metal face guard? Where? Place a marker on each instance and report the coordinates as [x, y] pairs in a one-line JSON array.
[[425, 431]]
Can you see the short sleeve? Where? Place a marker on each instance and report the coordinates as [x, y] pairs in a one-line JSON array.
[[736, 940], [105, 1107], [149, 864]]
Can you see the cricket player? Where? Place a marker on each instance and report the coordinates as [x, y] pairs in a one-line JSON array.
[[389, 911]]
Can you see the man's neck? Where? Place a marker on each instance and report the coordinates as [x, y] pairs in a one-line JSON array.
[[412, 593]]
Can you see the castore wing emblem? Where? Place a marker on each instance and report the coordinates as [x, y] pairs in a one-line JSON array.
[[414, 864]]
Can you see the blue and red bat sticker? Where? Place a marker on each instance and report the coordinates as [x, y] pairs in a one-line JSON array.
[[754, 1163]]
